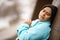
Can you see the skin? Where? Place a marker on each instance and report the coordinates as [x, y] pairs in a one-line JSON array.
[[44, 15]]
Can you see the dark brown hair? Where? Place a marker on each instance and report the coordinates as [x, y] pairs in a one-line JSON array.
[[54, 11]]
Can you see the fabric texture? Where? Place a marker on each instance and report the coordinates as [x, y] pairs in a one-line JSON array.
[[39, 30]]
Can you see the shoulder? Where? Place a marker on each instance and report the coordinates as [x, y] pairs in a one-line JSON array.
[[34, 21], [44, 25]]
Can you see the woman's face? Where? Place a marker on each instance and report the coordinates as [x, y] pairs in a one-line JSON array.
[[45, 14]]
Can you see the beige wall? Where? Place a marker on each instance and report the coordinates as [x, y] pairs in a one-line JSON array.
[[12, 14], [55, 33]]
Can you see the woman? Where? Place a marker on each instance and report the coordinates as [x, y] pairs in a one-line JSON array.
[[38, 29]]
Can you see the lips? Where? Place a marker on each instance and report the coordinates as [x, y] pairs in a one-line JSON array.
[[42, 17]]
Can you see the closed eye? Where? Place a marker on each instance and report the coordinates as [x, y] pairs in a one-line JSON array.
[[43, 10]]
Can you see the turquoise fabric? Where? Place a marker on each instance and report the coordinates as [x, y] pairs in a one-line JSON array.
[[38, 31]]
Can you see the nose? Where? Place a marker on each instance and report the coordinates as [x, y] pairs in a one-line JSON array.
[[43, 14]]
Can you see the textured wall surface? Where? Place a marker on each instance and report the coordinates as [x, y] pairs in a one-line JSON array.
[[12, 13], [55, 33]]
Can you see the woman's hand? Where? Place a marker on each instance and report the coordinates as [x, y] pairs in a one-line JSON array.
[[28, 21]]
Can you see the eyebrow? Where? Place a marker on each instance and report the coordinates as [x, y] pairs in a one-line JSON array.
[[47, 12]]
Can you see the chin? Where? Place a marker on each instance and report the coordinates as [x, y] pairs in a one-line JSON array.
[[41, 19]]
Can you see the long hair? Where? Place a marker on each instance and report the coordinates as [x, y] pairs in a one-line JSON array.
[[53, 13]]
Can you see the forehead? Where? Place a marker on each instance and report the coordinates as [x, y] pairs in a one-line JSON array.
[[48, 9]]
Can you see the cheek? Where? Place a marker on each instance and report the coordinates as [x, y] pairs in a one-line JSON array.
[[47, 17], [40, 12]]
